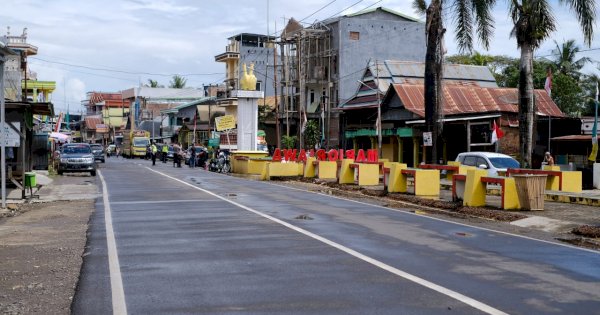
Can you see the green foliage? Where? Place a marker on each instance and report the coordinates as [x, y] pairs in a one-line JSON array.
[[264, 113], [178, 82], [568, 94], [288, 142], [312, 134]]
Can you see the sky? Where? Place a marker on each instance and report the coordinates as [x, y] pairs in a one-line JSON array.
[[113, 45]]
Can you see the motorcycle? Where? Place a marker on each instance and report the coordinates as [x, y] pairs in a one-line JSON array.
[[221, 164]]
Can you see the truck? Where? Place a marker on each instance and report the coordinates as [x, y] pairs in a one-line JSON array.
[[135, 143]]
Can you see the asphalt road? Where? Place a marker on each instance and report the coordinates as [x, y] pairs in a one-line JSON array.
[[167, 240]]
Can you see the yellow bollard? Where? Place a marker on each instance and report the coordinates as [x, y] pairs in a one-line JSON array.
[[368, 174], [309, 168], [427, 183], [397, 181], [475, 190], [346, 173]]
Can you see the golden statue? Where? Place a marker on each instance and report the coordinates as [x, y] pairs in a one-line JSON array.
[[248, 81]]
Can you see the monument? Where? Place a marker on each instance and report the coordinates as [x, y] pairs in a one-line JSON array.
[[247, 112]]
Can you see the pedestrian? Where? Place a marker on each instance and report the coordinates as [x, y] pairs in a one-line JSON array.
[[118, 151], [548, 159], [192, 156], [165, 151], [154, 150]]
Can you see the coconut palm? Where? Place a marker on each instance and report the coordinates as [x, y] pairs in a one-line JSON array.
[[178, 82], [152, 83], [533, 23], [469, 13], [564, 58]]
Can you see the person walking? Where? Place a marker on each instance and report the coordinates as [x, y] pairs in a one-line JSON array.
[[165, 151], [154, 150]]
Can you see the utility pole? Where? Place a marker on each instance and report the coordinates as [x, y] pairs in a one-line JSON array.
[[277, 126], [379, 136]]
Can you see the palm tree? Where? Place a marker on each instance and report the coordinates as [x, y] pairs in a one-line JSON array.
[[533, 23], [564, 58], [469, 12], [178, 82], [152, 83]]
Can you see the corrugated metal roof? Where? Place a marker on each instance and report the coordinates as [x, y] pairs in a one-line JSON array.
[[92, 121], [470, 99], [379, 75]]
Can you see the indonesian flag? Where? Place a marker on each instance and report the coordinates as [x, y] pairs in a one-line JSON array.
[[497, 133], [548, 84]]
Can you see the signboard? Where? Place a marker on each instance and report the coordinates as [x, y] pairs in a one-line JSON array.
[[9, 136], [101, 128], [427, 141], [225, 122], [214, 142]]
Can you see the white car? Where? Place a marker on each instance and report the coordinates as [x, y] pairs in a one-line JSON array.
[[492, 162]]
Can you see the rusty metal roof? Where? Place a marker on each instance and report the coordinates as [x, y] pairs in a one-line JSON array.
[[92, 121], [458, 99], [379, 76]]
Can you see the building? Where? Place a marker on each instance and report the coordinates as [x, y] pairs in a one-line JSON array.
[[359, 114], [246, 48], [322, 63], [146, 104], [105, 116]]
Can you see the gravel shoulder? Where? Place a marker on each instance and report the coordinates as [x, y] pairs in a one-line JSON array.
[[41, 246]]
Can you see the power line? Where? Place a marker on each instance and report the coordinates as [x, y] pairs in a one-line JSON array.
[[126, 72], [325, 6], [580, 51]]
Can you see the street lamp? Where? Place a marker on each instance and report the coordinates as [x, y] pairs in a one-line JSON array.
[[379, 149]]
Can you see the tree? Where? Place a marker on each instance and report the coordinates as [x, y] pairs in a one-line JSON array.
[[564, 59], [312, 134], [178, 82], [288, 142], [152, 83], [568, 94], [468, 12], [533, 23]]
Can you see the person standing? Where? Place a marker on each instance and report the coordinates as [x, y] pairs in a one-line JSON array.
[[154, 150], [192, 156], [165, 151]]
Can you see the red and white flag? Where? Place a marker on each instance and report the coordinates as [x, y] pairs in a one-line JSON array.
[[497, 133], [548, 84]]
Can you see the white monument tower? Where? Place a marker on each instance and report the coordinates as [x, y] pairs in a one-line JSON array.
[[247, 111]]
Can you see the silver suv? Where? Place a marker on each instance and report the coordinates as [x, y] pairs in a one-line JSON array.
[[492, 162], [76, 157]]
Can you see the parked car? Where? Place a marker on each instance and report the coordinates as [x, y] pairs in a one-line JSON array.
[[76, 157], [492, 162], [98, 151]]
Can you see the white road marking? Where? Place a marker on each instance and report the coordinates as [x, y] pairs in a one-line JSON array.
[[443, 220], [450, 293], [161, 201], [116, 281]]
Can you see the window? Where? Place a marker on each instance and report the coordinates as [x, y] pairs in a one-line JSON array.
[[470, 160], [355, 35], [258, 86], [482, 161]]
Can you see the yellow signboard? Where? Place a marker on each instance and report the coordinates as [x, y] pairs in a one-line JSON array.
[[225, 122]]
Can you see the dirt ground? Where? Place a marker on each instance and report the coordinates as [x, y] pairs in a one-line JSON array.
[[41, 246]]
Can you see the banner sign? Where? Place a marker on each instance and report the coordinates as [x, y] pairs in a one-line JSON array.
[[225, 122]]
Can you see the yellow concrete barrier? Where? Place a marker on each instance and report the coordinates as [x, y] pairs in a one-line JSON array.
[[346, 173], [368, 174], [475, 190], [309, 167], [427, 183], [327, 170], [397, 181], [571, 181], [510, 199], [255, 166]]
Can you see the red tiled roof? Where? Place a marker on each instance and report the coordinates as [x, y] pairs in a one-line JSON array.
[[458, 99], [110, 99]]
